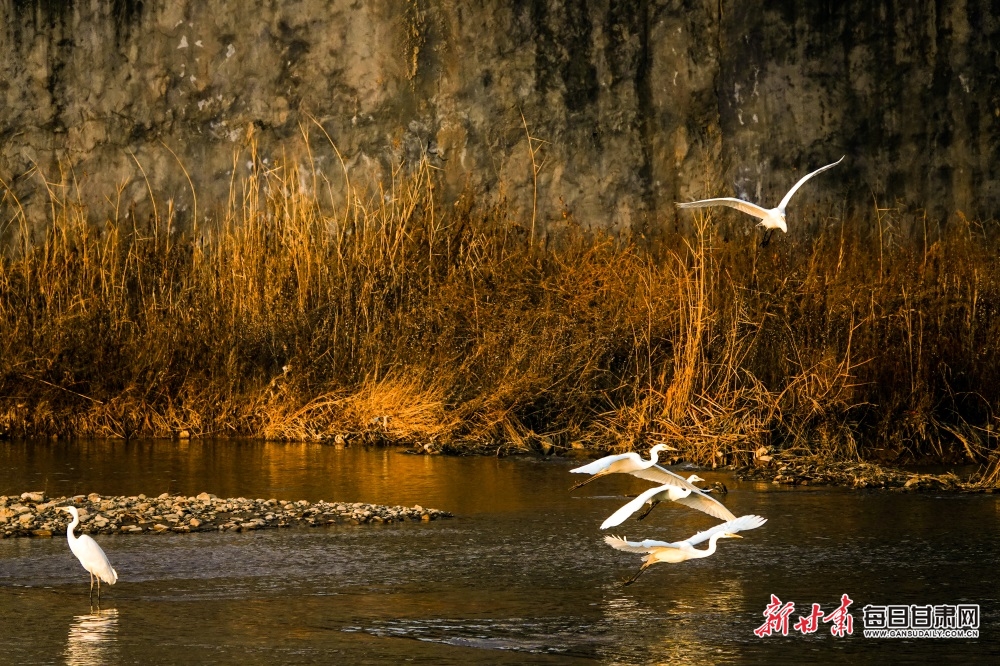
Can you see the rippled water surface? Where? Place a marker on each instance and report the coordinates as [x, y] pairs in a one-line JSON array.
[[520, 575]]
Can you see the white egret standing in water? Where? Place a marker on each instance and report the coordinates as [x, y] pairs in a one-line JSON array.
[[770, 219], [694, 498], [90, 554], [623, 463], [681, 551]]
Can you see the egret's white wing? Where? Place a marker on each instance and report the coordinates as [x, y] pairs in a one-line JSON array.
[[788, 197], [697, 500], [94, 560], [702, 502], [663, 477], [646, 546], [738, 204], [619, 516], [742, 523], [603, 463]]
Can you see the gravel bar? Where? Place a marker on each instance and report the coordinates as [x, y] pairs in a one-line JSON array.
[[816, 471], [34, 514]]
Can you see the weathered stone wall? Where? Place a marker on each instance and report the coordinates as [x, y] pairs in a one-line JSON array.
[[640, 102]]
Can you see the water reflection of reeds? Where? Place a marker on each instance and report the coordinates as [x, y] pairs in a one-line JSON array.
[[91, 637], [264, 469]]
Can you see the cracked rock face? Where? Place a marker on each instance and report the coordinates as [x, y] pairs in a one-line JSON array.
[[640, 103]]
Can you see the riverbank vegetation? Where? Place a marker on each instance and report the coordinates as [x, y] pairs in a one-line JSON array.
[[393, 318]]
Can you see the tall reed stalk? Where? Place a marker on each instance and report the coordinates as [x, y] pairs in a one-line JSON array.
[[390, 317]]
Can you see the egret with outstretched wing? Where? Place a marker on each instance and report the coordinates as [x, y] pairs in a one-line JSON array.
[[692, 497], [681, 551], [771, 219], [623, 463]]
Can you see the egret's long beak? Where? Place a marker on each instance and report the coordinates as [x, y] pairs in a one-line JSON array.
[[732, 536]]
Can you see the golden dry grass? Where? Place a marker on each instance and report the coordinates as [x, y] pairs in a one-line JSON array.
[[392, 318]]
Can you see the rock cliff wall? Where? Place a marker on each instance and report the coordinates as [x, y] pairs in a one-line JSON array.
[[639, 102]]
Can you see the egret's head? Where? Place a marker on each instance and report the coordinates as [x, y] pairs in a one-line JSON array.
[[71, 510], [661, 447], [694, 477]]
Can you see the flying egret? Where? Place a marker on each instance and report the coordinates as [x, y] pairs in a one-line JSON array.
[[660, 476], [623, 463], [90, 554], [769, 219], [696, 499], [681, 551]]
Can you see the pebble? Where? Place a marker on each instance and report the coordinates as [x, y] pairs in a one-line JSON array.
[[34, 514], [781, 469]]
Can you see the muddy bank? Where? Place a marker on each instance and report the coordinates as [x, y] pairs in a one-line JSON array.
[[34, 514], [817, 471]]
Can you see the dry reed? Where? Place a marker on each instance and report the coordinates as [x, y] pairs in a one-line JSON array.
[[392, 318]]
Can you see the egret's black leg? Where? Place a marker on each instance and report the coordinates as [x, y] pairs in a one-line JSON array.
[[637, 574], [652, 505], [91, 587], [583, 483], [767, 238]]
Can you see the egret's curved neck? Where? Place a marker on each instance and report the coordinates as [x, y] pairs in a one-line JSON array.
[[654, 456], [71, 527], [712, 543]]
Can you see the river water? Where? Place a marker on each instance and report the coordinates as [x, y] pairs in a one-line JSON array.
[[520, 575]]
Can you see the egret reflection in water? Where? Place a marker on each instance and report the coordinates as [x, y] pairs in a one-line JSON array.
[[92, 637], [681, 621]]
